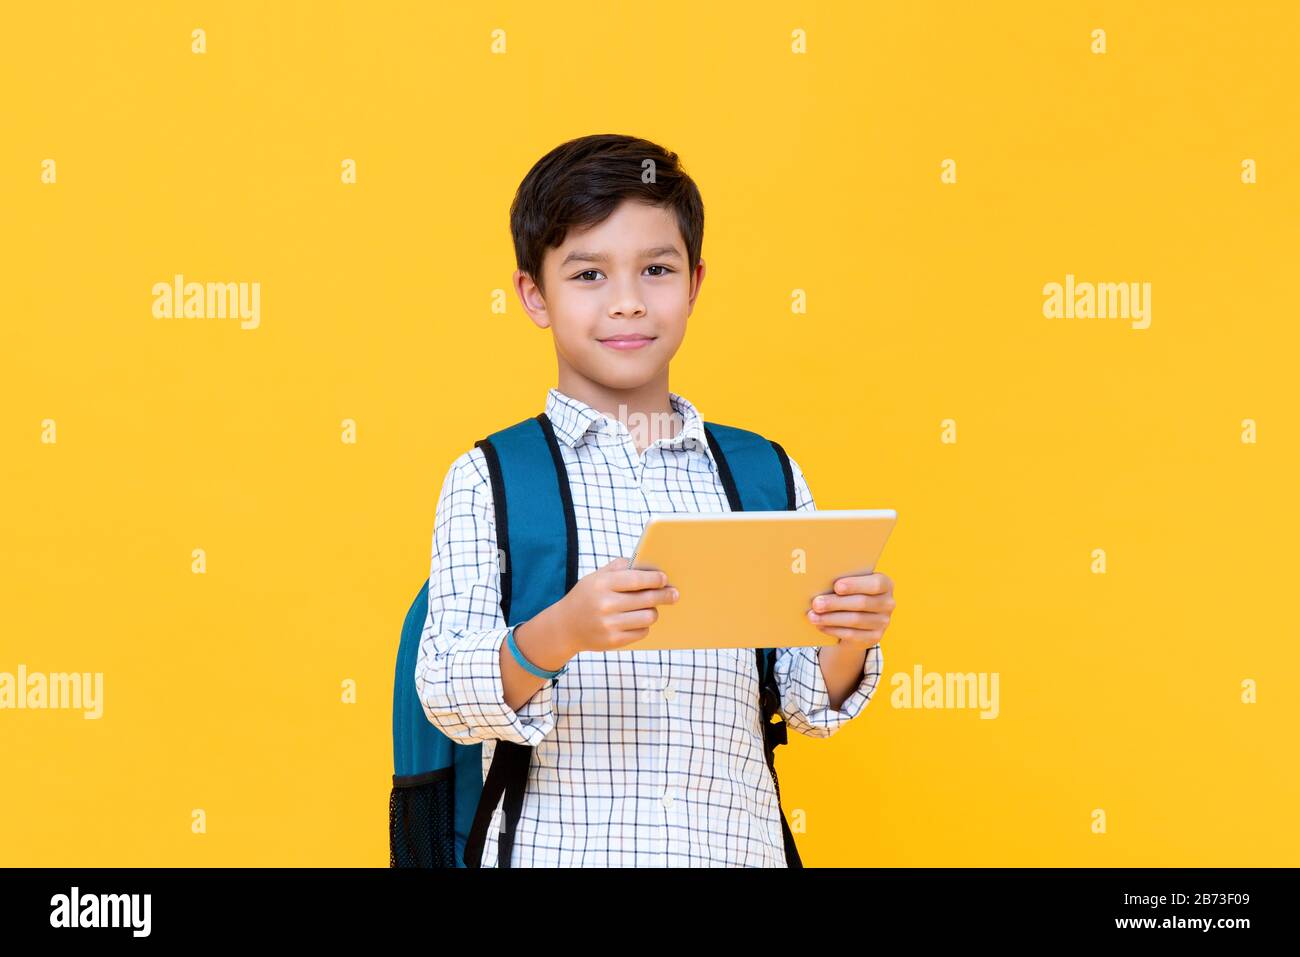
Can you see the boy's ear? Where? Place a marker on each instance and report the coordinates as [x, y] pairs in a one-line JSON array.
[[697, 280], [530, 296]]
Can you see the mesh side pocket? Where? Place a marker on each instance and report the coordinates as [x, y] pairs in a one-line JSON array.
[[421, 820]]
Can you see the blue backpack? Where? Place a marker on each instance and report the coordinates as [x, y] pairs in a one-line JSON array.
[[440, 805]]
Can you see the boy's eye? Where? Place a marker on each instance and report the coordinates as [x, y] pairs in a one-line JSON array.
[[587, 272], [665, 269]]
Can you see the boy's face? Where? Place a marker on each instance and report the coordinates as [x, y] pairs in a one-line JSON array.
[[625, 276]]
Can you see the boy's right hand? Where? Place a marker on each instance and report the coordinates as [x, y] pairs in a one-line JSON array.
[[613, 606]]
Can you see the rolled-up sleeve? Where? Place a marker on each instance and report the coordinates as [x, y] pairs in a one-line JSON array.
[[458, 668], [805, 700]]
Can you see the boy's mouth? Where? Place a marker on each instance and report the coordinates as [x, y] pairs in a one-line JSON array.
[[627, 341]]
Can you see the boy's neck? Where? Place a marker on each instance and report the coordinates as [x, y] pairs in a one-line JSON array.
[[648, 403]]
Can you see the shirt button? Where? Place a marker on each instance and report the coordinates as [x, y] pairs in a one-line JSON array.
[[668, 800], [670, 691]]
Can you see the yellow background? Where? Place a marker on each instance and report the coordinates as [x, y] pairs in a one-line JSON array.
[[819, 172]]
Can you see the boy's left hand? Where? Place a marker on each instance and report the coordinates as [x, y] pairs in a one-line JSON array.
[[858, 609]]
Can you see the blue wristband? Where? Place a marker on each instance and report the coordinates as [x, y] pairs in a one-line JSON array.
[[524, 663]]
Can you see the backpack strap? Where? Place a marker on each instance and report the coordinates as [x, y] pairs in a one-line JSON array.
[[755, 471], [756, 475], [536, 529]]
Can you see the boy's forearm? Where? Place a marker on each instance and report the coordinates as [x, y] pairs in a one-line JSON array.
[[542, 643], [841, 666]]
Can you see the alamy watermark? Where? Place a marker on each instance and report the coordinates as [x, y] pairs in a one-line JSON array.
[[179, 299], [646, 428], [74, 691], [76, 909], [935, 689], [1100, 300]]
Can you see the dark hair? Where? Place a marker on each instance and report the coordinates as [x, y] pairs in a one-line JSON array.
[[581, 182]]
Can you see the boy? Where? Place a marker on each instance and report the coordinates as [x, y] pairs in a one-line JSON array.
[[643, 758]]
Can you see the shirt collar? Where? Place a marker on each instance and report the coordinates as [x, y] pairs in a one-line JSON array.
[[571, 420]]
